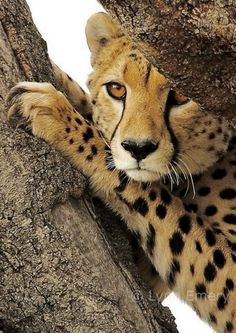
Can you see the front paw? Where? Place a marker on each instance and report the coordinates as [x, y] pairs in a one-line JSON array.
[[39, 105]]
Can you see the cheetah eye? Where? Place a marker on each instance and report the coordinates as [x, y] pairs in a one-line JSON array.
[[175, 99], [116, 90]]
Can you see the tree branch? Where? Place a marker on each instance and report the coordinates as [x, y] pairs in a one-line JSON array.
[[193, 43]]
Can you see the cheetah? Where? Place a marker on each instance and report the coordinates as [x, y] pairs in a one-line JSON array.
[[141, 132]]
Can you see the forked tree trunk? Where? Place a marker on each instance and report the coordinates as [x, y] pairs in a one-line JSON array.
[[191, 42], [65, 264]]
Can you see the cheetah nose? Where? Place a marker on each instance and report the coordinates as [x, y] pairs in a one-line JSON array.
[[139, 149]]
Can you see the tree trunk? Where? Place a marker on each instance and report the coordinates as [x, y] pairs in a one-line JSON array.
[[65, 263], [192, 42]]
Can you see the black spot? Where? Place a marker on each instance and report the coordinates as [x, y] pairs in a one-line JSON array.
[[185, 224], [94, 102], [211, 136], [230, 284], [200, 221], [231, 245], [228, 194], [88, 134], [201, 290], [81, 149], [210, 237], [233, 163], [165, 196], [222, 302], [210, 210], [218, 231], [144, 186], [192, 270], [198, 246], [210, 272], [67, 129], [232, 232], [219, 174], [94, 150], [152, 195], [89, 157], [191, 207], [123, 179], [203, 191], [79, 122], [134, 56], [71, 141], [103, 41], [141, 206], [229, 326], [151, 236], [230, 219], [211, 148], [196, 178], [219, 258], [175, 268], [176, 243], [219, 130], [212, 318], [69, 118], [161, 211]]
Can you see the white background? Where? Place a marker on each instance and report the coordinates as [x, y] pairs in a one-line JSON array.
[[62, 24]]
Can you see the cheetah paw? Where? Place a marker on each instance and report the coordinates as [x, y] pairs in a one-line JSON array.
[[39, 105]]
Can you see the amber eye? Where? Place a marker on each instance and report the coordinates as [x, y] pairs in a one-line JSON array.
[[175, 99], [116, 90]]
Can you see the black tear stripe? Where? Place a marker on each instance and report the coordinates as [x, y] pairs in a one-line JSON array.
[[147, 75], [174, 140], [122, 115]]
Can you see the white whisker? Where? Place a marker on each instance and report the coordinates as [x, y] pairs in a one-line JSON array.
[[190, 175], [175, 173], [181, 169], [171, 179]]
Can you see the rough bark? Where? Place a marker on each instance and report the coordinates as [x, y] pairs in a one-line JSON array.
[[65, 264], [192, 42]]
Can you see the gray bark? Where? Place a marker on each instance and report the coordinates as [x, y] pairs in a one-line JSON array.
[[192, 42], [65, 263]]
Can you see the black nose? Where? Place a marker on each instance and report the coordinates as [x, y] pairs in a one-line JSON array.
[[139, 150]]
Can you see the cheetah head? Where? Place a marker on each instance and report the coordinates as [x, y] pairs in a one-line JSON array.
[[152, 130]]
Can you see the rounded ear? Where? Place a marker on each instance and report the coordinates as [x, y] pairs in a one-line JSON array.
[[100, 29]]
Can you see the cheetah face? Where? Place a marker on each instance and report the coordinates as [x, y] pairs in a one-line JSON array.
[[151, 129]]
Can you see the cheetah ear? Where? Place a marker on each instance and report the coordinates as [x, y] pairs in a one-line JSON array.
[[100, 29]]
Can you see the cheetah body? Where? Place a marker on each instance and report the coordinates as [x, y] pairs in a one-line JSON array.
[[194, 235]]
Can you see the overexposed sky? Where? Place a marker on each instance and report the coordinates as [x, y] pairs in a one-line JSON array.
[[62, 25]]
